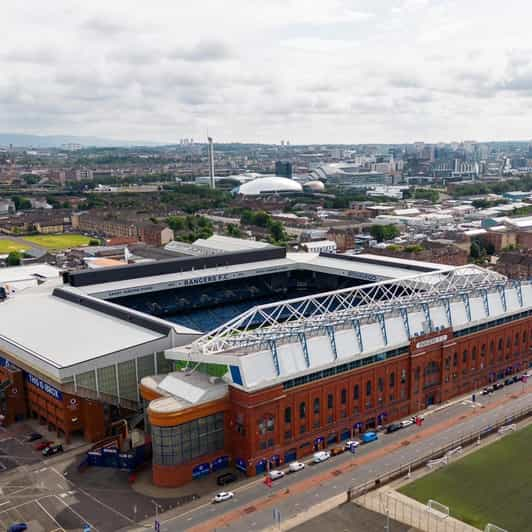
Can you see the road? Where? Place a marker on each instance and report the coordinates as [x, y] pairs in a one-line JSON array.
[[252, 507]]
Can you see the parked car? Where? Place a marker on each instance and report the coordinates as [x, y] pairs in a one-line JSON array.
[[296, 466], [321, 456], [223, 496], [337, 450], [349, 443], [406, 423], [488, 390], [393, 427], [17, 527], [516, 378], [507, 382], [43, 444], [226, 478], [34, 436], [52, 449], [368, 437], [275, 474]]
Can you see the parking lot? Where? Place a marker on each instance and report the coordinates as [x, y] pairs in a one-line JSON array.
[[50, 494]]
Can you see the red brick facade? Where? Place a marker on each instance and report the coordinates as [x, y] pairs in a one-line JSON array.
[[437, 368], [283, 423]]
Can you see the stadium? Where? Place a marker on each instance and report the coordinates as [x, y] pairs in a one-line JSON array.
[[258, 357]]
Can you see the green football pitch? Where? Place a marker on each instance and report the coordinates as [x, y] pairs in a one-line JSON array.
[[491, 485]]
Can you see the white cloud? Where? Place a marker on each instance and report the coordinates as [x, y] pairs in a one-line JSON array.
[[249, 70]]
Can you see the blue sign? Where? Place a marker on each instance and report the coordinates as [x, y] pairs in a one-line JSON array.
[[241, 464], [220, 463], [201, 470], [44, 386], [5, 363]]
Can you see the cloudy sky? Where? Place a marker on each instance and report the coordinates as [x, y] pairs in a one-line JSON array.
[[309, 71]]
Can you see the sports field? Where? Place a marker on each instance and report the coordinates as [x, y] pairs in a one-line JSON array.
[[59, 241], [491, 485], [7, 246]]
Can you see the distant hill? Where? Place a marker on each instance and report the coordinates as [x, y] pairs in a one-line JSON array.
[[55, 141]]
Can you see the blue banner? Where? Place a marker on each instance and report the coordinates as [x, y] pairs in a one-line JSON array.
[[44, 386]]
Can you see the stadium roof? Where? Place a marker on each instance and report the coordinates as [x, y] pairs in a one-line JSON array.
[[365, 267], [275, 342], [60, 337]]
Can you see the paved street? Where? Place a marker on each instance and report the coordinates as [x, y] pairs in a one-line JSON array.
[[252, 507]]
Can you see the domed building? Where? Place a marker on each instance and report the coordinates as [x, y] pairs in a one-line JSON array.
[[269, 185], [314, 186]]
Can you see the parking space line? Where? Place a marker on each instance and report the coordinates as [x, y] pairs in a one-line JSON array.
[[86, 493], [4, 503], [37, 502], [76, 513]]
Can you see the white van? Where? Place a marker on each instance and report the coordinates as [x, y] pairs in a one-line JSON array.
[[321, 456]]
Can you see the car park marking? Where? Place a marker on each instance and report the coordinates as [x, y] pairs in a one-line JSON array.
[[47, 513], [4, 503], [83, 519]]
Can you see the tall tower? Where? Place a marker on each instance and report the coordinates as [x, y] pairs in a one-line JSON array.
[[211, 164]]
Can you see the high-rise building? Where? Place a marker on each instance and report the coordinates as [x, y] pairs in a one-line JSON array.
[[283, 169]]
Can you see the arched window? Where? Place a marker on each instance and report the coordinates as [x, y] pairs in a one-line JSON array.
[[508, 342], [516, 341], [330, 400], [417, 373], [500, 345], [474, 353], [343, 396], [288, 415], [455, 359], [368, 388], [266, 424], [316, 408], [464, 356], [392, 379], [356, 392], [524, 337], [380, 384], [302, 410], [492, 347]]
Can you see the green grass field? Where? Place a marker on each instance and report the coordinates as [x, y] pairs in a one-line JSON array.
[[7, 246], [491, 485], [58, 241]]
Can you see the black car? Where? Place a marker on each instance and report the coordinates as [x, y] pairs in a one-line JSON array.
[[52, 449], [226, 478], [507, 382], [516, 378], [392, 427], [34, 436]]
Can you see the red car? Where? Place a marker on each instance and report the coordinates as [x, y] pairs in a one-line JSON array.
[[42, 445]]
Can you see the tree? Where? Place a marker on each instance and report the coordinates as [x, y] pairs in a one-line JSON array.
[[384, 232], [21, 203], [234, 231], [277, 231], [475, 250], [31, 179], [14, 258]]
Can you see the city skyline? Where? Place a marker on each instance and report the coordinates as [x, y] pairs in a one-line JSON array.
[[348, 72]]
